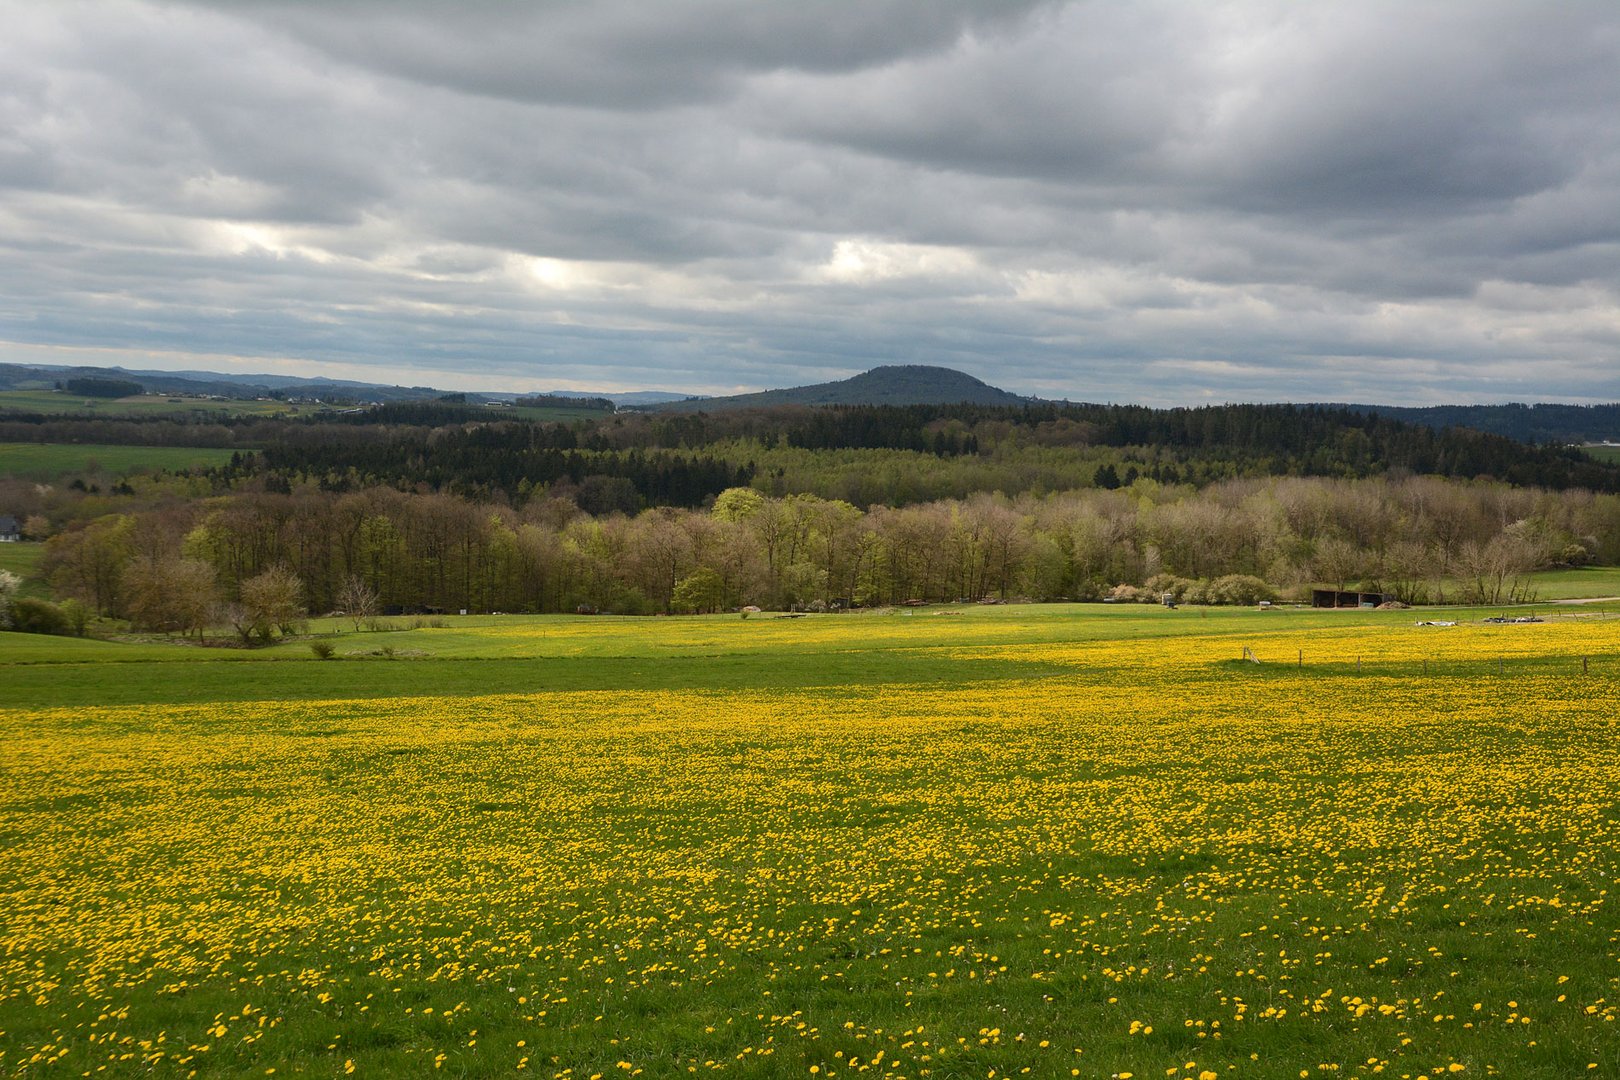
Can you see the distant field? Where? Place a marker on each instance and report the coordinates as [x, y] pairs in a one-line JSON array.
[[22, 558], [1579, 583], [1567, 584], [48, 461], [48, 401], [1604, 453], [1584, 581], [1058, 840], [549, 413]]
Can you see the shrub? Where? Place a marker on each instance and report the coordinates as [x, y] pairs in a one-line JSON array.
[[1198, 592], [1240, 589], [8, 589], [32, 616], [322, 649], [1090, 589], [1179, 588]]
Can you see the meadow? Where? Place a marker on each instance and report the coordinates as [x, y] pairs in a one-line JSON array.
[[55, 402], [50, 461], [21, 557], [566, 414], [58, 403], [1603, 451], [1572, 583], [983, 842]]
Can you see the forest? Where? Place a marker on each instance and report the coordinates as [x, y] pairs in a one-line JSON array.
[[866, 455], [436, 507]]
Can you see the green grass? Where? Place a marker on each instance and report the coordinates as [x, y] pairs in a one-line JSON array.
[[50, 401], [1578, 583], [1603, 453], [995, 839], [1582, 582], [526, 654], [550, 413], [49, 461], [1569, 583], [22, 558]]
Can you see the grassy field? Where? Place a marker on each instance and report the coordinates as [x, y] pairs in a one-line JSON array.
[[48, 461], [1045, 841], [50, 401], [1579, 582], [550, 413], [22, 558], [1604, 453]]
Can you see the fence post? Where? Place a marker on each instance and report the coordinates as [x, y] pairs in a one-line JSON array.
[[1583, 665], [1302, 659]]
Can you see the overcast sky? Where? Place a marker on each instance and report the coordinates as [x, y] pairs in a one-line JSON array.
[[1168, 201]]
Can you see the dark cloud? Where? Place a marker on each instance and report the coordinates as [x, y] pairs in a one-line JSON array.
[[626, 54], [1150, 200]]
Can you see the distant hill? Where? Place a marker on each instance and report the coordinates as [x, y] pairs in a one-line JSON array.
[[908, 384], [44, 377], [219, 384], [1540, 424]]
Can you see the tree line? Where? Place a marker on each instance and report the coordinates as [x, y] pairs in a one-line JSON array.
[[189, 563], [883, 455], [867, 455]]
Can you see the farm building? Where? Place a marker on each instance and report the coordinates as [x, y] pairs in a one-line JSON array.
[[1335, 598], [10, 529]]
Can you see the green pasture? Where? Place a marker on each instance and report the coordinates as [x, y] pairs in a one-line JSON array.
[[22, 558], [1577, 583], [49, 461], [52, 401], [1603, 453], [549, 413], [1581, 582], [410, 656], [524, 654]]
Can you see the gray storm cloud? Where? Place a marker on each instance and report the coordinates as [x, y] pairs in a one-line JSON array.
[[1152, 201]]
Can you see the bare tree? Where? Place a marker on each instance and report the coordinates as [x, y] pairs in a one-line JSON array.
[[1339, 561], [1496, 570], [357, 600]]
